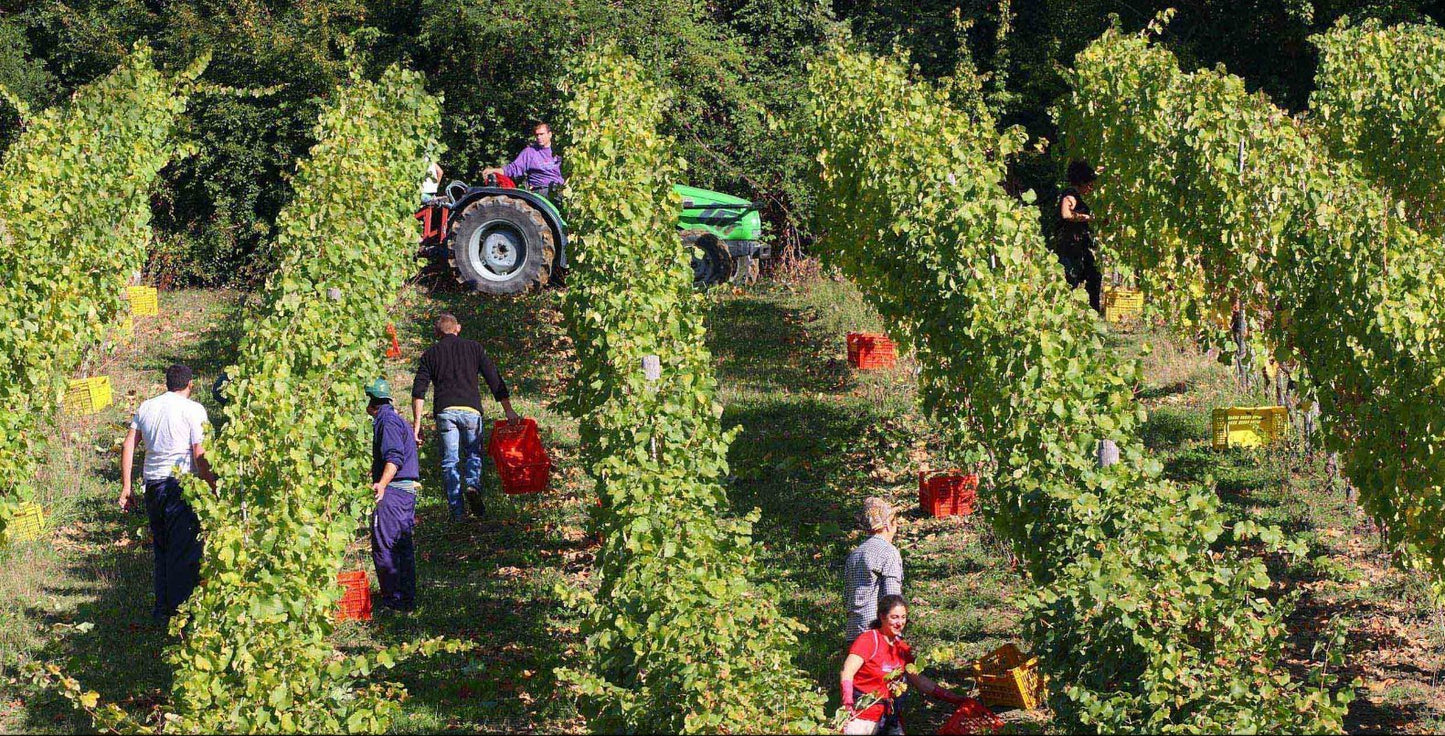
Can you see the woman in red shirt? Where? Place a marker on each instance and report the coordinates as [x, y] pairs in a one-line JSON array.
[[875, 655]]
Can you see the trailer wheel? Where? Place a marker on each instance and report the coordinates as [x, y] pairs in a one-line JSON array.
[[711, 262]]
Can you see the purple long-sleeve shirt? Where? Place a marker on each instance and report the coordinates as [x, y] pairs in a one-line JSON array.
[[541, 167], [392, 442]]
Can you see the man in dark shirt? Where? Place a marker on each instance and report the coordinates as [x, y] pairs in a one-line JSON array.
[[394, 472], [453, 365]]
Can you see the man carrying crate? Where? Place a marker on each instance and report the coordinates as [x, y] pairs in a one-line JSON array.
[[394, 473], [174, 428], [454, 364]]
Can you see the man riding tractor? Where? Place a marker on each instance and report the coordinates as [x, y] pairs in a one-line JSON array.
[[503, 239]]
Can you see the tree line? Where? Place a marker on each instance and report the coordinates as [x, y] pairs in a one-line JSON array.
[[736, 71]]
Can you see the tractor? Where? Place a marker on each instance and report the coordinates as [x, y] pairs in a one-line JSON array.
[[503, 239]]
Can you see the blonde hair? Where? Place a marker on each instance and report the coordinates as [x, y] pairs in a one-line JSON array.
[[876, 515], [447, 323]]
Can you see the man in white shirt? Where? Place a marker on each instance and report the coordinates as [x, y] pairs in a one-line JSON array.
[[173, 427]]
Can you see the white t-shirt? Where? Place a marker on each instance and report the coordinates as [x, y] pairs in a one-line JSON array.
[[432, 181], [170, 424]]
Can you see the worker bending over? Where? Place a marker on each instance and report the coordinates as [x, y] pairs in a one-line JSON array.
[[394, 473]]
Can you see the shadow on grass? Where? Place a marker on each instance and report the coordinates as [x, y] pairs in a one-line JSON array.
[[1173, 389], [517, 332], [491, 581], [1168, 428], [120, 657], [761, 342], [789, 462]]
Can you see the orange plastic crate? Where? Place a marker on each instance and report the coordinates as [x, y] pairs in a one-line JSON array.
[[870, 351], [522, 462], [950, 493], [1007, 680], [356, 600], [970, 718]]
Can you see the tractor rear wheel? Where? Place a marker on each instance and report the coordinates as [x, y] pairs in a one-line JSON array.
[[711, 262], [502, 245]]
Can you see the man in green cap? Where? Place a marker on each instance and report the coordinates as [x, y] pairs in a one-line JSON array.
[[394, 472]]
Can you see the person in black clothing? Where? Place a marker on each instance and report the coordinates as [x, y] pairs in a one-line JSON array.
[[453, 365], [1074, 239]]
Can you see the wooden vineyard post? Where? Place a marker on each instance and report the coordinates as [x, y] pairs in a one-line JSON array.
[[1108, 453], [652, 371], [1239, 326]]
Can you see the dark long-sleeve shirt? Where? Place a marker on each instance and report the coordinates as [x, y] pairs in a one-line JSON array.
[[453, 365], [392, 442]]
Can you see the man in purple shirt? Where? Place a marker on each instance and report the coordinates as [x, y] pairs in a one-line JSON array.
[[536, 165], [394, 473]]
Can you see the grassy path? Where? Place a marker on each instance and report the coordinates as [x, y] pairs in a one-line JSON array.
[[816, 438]]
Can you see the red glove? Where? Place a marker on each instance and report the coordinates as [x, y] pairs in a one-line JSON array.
[[949, 696], [847, 686]]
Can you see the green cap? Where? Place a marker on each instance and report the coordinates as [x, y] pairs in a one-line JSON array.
[[379, 389]]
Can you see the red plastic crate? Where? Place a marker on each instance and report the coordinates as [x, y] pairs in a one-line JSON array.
[[970, 718], [870, 351], [356, 601], [522, 462], [950, 493]]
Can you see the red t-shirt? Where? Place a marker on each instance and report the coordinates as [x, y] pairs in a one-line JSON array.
[[881, 657]]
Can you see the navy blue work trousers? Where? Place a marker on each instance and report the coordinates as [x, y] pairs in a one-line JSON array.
[[392, 549], [175, 535]]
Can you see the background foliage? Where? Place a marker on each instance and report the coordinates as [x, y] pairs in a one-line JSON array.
[[729, 65]]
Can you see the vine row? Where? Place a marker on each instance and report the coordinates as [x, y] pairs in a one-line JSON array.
[[1144, 612], [74, 226], [1347, 289], [255, 653], [680, 636], [1379, 96]]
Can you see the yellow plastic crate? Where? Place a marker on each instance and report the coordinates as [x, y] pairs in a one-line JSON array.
[[1248, 426], [28, 523], [144, 300], [1005, 679], [87, 395], [1122, 304]]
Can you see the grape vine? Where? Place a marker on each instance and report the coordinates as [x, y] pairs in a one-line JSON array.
[[1380, 100], [1143, 613], [1354, 295], [681, 637], [292, 462], [75, 210]]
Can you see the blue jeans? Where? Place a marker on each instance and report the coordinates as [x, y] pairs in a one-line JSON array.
[[460, 436]]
